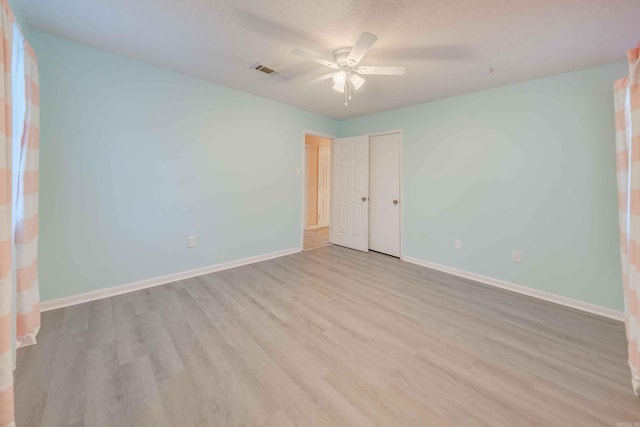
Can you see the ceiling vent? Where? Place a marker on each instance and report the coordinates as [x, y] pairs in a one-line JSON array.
[[263, 69]]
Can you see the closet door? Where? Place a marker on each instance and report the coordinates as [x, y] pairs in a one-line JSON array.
[[384, 189]]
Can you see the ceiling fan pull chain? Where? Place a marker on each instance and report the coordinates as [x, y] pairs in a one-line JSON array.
[[346, 94]]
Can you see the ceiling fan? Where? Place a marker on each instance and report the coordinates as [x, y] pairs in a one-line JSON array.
[[348, 75]]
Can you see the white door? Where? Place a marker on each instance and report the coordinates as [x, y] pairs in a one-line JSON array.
[[350, 223], [384, 190], [324, 189]]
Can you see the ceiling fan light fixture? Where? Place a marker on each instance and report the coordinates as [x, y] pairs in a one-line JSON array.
[[340, 78], [347, 77], [357, 81]]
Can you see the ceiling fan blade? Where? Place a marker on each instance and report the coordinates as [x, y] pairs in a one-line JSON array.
[[321, 78], [382, 70], [361, 48], [315, 58]]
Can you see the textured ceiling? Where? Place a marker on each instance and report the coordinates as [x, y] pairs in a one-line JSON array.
[[447, 46]]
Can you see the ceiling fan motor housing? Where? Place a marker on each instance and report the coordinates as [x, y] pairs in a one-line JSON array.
[[340, 56]]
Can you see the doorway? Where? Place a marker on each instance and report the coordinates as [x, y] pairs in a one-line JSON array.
[[318, 191]]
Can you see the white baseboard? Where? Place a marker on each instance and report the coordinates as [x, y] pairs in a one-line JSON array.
[[170, 278], [157, 281], [546, 296]]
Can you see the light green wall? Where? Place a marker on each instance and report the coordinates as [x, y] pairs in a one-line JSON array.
[[135, 158], [529, 167]]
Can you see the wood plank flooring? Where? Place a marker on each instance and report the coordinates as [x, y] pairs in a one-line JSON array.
[[316, 238], [320, 338]]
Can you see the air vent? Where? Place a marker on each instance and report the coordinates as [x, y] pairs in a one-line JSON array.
[[263, 69]]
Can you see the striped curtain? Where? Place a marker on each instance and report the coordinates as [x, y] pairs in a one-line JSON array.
[[6, 225], [19, 295], [627, 105], [26, 209]]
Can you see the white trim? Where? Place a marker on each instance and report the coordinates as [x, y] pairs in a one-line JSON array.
[[157, 281], [546, 296], [385, 132], [320, 134]]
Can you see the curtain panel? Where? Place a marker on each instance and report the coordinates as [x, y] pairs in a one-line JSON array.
[[6, 260], [627, 119], [26, 222], [19, 294]]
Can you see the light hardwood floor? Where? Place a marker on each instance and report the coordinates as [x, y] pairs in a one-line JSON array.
[[325, 337], [316, 238]]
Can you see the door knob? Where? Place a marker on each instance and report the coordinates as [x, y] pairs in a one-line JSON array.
[[364, 199], [395, 202]]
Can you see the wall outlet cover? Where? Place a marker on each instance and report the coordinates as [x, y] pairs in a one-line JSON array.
[[458, 244], [191, 241], [516, 256]]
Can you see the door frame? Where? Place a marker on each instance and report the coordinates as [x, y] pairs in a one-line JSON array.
[[303, 181], [399, 132], [305, 184]]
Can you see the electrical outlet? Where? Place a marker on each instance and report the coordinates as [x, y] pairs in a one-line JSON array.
[[458, 245], [516, 256], [191, 241]]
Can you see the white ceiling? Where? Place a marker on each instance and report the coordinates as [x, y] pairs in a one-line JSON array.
[[447, 46]]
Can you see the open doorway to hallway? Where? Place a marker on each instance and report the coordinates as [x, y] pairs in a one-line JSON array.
[[318, 191]]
